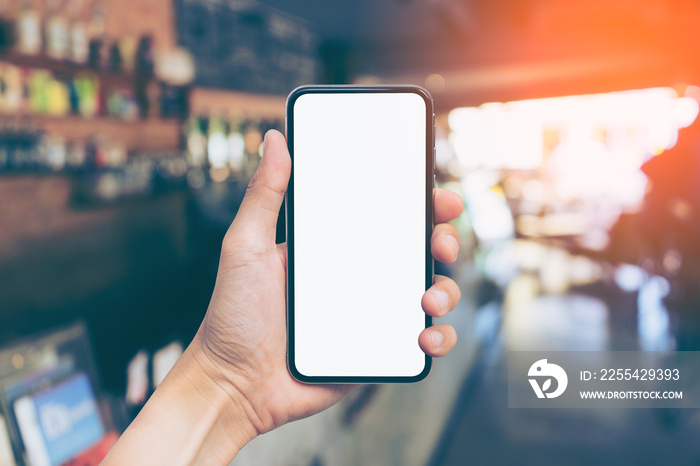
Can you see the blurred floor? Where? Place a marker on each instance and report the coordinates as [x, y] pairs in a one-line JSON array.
[[594, 316]]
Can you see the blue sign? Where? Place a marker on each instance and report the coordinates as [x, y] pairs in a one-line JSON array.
[[69, 418]]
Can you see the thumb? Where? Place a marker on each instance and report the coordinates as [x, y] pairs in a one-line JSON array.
[[257, 215]]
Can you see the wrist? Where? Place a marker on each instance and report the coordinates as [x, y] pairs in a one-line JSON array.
[[191, 418], [231, 417], [235, 414]]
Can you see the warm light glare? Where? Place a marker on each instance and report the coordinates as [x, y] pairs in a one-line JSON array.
[[219, 174], [572, 162], [435, 83], [634, 124], [685, 111]]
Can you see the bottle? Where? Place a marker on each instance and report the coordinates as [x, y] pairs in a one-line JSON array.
[[79, 44], [96, 34], [5, 143], [7, 32], [252, 139], [143, 61], [149, 101], [26, 152], [114, 64], [73, 98], [28, 28], [115, 103], [127, 49], [38, 86], [3, 88], [55, 153], [196, 142], [217, 145], [25, 106], [57, 98], [76, 155], [13, 89], [87, 90], [57, 38], [236, 147], [101, 153]]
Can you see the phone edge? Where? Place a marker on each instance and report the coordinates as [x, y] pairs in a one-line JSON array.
[[289, 223]]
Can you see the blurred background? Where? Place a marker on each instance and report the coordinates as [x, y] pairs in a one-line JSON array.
[[129, 130]]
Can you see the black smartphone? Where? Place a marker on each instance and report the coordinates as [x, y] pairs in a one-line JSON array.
[[359, 221]]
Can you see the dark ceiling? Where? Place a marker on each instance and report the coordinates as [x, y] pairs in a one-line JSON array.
[[509, 49], [362, 21]]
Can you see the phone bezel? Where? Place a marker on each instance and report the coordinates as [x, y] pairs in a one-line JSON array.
[[289, 215]]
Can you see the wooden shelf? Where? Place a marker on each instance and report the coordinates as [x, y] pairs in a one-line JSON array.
[[207, 101], [150, 134], [66, 68]]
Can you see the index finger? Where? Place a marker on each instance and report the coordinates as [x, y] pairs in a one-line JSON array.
[[448, 205]]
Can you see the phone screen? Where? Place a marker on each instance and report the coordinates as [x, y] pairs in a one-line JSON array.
[[359, 213]]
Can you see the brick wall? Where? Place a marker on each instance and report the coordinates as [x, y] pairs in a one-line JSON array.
[[52, 255], [34, 208]]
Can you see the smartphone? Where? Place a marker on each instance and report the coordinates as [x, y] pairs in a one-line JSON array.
[[359, 209]]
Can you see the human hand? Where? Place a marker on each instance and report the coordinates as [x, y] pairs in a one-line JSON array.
[[244, 332], [232, 383]]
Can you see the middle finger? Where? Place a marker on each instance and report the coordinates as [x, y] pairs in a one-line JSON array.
[[444, 244]]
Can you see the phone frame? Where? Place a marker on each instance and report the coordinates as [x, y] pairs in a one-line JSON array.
[[289, 215]]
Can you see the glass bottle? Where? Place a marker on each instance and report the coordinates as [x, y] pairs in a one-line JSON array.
[[28, 28], [57, 36], [236, 146], [79, 43], [196, 142], [217, 145]]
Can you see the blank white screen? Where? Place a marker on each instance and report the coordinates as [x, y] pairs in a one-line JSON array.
[[359, 233]]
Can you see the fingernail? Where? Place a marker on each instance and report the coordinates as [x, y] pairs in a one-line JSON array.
[[437, 338], [265, 143], [452, 241], [442, 299]]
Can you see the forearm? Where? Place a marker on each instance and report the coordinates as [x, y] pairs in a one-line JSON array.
[[189, 419]]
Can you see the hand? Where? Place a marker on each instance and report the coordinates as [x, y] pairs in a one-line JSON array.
[[232, 382], [244, 332]]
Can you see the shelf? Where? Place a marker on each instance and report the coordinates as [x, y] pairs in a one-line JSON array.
[[66, 68], [222, 102], [151, 134]]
